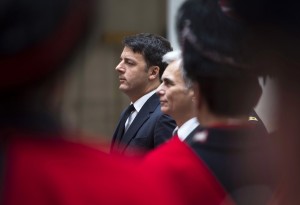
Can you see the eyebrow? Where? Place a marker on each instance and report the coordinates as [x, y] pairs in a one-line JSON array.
[[127, 58], [168, 80]]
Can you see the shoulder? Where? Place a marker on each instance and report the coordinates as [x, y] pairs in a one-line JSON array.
[[166, 119], [178, 168]]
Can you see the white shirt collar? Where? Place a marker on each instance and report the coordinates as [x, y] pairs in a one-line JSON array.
[[137, 106], [140, 102], [175, 130], [187, 128]]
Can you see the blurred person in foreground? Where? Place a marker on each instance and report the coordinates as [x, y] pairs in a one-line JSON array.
[[38, 165], [142, 125], [238, 153], [276, 45], [229, 158]]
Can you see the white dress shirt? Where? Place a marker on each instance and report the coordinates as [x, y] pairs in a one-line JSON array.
[[137, 106], [184, 130]]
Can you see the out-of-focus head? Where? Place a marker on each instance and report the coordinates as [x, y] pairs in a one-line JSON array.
[[151, 46], [267, 13], [212, 40], [37, 37], [215, 57], [276, 27]]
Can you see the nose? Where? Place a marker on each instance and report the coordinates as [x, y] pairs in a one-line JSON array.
[[120, 67], [160, 91]]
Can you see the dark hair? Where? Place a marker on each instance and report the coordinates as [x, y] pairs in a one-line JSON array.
[[213, 55], [151, 46], [230, 96], [277, 28], [269, 12]]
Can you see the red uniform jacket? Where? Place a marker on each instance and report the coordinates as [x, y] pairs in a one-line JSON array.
[[179, 167], [47, 171]]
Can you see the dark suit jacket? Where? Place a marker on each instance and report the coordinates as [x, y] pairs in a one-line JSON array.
[[242, 159], [256, 120], [149, 129]]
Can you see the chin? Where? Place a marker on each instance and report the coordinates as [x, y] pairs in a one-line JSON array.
[[164, 110], [122, 88]]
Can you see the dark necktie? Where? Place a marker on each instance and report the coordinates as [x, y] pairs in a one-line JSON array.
[[121, 129]]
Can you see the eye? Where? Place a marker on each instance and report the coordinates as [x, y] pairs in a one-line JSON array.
[[129, 62], [167, 82]]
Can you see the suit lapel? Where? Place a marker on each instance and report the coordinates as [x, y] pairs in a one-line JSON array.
[[115, 141], [143, 115]]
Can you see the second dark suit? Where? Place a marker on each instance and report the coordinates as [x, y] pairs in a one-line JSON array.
[[149, 129]]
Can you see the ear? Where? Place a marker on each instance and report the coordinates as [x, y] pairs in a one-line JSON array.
[[192, 93], [197, 95], [153, 72]]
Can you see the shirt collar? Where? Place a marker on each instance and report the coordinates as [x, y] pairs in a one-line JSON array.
[[141, 101], [187, 128]]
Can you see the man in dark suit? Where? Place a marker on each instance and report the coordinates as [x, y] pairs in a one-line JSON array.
[[145, 126], [277, 51]]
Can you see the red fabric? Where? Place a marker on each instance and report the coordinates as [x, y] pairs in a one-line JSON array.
[[59, 172], [177, 165]]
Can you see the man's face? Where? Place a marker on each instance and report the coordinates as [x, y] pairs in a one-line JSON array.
[[175, 97], [132, 70]]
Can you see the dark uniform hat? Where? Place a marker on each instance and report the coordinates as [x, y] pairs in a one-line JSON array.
[[36, 36], [213, 41]]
